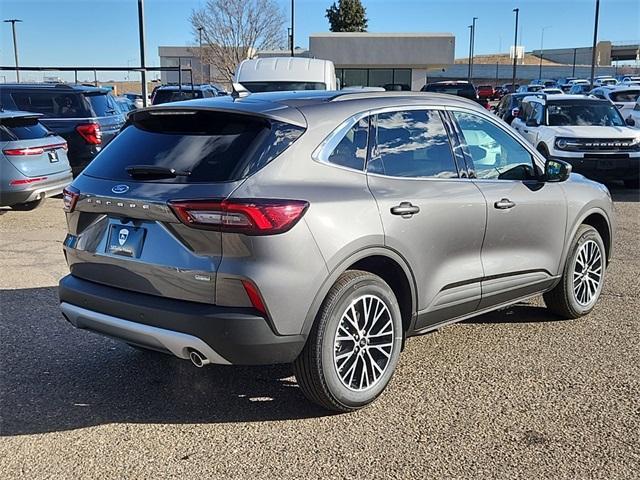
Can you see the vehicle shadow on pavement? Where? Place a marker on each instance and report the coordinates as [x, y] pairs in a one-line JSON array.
[[518, 313], [622, 194], [55, 378]]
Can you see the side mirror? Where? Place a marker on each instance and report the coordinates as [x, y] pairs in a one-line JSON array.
[[630, 121], [532, 122], [556, 171]]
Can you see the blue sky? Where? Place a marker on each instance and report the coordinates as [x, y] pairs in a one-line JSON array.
[[104, 32]]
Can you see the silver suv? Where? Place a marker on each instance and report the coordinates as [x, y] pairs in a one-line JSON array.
[[323, 229]]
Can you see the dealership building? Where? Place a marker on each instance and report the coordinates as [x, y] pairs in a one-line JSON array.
[[361, 59]]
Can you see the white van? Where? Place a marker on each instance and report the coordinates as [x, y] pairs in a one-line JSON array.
[[286, 73]]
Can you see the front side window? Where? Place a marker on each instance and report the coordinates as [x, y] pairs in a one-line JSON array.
[[411, 144], [351, 152], [495, 154]]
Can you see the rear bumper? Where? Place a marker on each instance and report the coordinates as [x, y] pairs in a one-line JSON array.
[[225, 335], [30, 193], [605, 169]]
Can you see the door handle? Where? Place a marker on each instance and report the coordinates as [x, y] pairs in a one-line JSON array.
[[504, 204], [406, 209]]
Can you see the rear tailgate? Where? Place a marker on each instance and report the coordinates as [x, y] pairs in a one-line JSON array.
[[123, 233]]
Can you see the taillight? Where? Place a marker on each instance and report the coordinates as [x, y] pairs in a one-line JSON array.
[[34, 150], [251, 217], [27, 181], [90, 132], [254, 296], [70, 197]]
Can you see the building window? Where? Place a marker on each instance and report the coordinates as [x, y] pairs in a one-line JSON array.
[[374, 77]]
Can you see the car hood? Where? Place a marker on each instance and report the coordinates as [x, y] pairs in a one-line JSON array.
[[595, 132]]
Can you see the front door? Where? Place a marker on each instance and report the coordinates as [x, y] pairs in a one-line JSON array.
[[526, 218], [432, 216]]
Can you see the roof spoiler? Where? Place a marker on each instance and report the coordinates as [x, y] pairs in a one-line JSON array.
[[238, 91]]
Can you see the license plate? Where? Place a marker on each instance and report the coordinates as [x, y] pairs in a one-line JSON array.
[[53, 156], [126, 241], [606, 164]]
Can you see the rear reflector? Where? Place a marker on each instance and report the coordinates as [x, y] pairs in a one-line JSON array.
[[70, 197], [251, 217], [27, 181], [254, 296], [34, 150], [90, 132]]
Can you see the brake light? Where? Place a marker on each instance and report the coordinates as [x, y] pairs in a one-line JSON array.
[[34, 150], [252, 217], [90, 132], [27, 181], [254, 296], [70, 197]]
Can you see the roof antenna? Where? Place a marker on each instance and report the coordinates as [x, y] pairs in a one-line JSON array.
[[239, 91]]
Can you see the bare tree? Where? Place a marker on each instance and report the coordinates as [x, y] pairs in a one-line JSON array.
[[234, 30]]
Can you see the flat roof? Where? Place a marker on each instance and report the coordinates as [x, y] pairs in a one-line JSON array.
[[382, 35]]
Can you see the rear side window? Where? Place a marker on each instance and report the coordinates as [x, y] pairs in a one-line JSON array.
[[210, 146], [22, 128], [351, 152], [411, 144], [53, 103]]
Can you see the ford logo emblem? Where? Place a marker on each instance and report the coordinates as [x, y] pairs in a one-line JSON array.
[[120, 189]]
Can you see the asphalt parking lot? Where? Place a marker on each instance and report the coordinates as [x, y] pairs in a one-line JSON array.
[[512, 394]]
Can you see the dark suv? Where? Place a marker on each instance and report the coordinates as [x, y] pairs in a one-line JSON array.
[[176, 93], [86, 117]]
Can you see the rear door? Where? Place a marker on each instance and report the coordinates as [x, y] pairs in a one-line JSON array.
[[432, 215], [123, 231], [526, 218]]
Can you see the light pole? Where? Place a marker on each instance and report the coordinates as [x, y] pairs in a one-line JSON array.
[[143, 72], [470, 48], [473, 43], [292, 31], [595, 40], [542, 49], [515, 52], [200, 54], [13, 22]]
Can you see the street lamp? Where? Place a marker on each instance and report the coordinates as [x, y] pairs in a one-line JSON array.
[[292, 31], [542, 49], [473, 42], [470, 49], [595, 40], [515, 52], [13, 22], [200, 53]]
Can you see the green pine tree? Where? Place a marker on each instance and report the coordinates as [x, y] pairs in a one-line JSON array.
[[347, 16]]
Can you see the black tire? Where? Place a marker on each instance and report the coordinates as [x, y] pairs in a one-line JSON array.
[[315, 370], [26, 207], [562, 300], [632, 183]]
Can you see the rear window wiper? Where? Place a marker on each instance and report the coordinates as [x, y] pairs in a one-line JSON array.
[[152, 171]]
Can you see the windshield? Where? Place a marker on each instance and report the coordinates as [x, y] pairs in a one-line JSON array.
[[462, 90], [584, 114], [257, 87], [625, 96]]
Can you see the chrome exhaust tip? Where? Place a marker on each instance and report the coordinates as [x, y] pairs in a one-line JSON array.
[[198, 359]]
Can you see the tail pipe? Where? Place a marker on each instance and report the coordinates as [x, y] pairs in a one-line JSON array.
[[198, 359]]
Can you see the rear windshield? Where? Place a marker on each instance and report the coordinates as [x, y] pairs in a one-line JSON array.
[[65, 104], [584, 114], [450, 89], [22, 128], [209, 146], [102, 105], [168, 96], [257, 87], [625, 96]]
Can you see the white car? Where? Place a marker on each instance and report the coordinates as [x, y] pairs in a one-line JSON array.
[[624, 98], [578, 81], [552, 91], [286, 74], [634, 115], [587, 132], [631, 80], [604, 80]]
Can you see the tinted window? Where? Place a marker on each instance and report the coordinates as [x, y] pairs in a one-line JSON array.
[[257, 87], [352, 150], [52, 104], [167, 96], [412, 144], [625, 96], [212, 146], [495, 153], [584, 114], [102, 104], [22, 129], [463, 90]]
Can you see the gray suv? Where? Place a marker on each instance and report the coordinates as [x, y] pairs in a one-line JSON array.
[[323, 229]]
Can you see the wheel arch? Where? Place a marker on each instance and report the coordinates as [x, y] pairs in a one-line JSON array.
[[598, 219], [383, 262]]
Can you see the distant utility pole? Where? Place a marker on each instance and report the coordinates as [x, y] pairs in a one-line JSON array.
[[515, 52], [595, 41], [470, 48], [473, 42], [293, 17], [143, 72], [13, 22], [542, 49], [200, 52]]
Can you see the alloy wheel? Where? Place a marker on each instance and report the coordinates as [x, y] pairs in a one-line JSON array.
[[587, 273]]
